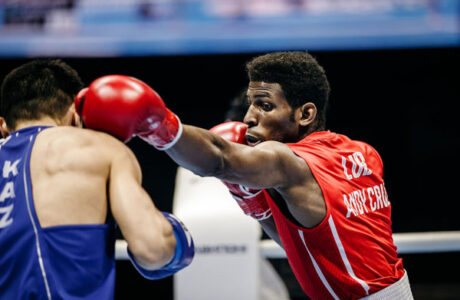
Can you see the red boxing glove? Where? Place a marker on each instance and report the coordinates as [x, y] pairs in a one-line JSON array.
[[251, 201], [125, 106]]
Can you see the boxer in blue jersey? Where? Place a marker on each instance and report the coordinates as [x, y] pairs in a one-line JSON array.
[[63, 189]]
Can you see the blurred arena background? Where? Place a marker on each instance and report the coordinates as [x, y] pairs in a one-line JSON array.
[[393, 66]]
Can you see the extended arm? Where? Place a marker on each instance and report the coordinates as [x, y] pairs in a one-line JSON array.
[[125, 106], [262, 166]]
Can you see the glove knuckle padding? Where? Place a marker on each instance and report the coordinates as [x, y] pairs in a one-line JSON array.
[[120, 105], [231, 131], [109, 105]]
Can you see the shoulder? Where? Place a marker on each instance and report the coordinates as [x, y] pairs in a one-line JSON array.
[[77, 142], [275, 151], [273, 146], [287, 161], [73, 136]]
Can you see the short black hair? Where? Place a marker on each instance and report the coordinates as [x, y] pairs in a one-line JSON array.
[[300, 76], [42, 87]]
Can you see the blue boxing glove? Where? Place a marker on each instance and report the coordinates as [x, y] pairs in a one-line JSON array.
[[183, 255]]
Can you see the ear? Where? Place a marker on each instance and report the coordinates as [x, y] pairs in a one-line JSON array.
[[308, 114], [71, 117], [3, 128], [76, 120]]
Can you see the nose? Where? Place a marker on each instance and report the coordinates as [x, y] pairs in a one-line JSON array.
[[251, 117]]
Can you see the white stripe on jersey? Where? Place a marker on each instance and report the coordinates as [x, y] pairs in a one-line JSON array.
[[317, 269], [37, 242], [344, 256]]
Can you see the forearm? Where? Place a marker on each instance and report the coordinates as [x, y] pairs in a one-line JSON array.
[[199, 151], [157, 253], [182, 253]]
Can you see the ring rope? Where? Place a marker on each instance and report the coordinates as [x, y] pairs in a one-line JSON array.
[[409, 242]]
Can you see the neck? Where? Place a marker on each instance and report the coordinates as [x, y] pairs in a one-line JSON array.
[[45, 121], [309, 130]]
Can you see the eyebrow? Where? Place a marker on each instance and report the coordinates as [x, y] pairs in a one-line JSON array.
[[261, 94]]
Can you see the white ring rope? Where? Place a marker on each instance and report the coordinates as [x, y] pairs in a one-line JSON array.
[[411, 242]]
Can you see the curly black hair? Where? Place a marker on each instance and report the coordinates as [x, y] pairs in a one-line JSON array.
[[300, 76], [42, 87]]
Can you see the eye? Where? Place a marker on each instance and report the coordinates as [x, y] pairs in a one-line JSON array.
[[266, 106]]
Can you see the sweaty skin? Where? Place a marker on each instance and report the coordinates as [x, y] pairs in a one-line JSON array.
[[75, 171], [269, 163], [63, 161]]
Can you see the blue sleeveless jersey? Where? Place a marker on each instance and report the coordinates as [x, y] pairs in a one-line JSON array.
[[60, 262]]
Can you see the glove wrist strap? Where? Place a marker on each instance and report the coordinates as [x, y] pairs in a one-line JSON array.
[[167, 134]]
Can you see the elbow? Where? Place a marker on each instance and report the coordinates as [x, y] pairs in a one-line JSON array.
[[154, 253]]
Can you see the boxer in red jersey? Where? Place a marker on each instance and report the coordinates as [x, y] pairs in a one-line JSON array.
[[324, 199]]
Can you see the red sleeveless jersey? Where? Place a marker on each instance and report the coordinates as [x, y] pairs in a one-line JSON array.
[[351, 253]]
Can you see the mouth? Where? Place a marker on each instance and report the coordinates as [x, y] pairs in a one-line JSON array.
[[252, 140]]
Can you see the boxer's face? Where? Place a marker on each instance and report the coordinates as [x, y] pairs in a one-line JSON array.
[[269, 115]]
